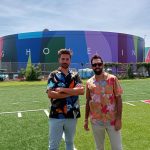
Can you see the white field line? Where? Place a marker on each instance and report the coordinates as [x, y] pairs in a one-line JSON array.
[[129, 104], [145, 102], [74, 148], [46, 112], [82, 106], [19, 115], [26, 102], [45, 109], [21, 111], [63, 136], [15, 103], [35, 101], [132, 101]]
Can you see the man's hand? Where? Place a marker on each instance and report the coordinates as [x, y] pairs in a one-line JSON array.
[[86, 126], [118, 124]]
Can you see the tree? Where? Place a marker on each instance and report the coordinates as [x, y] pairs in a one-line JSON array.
[[30, 71]]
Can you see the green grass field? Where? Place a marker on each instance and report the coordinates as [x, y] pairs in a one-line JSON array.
[[30, 132]]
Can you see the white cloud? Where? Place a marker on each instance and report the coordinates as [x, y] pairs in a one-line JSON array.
[[125, 16]]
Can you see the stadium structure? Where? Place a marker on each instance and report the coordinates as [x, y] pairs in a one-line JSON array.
[[43, 46]]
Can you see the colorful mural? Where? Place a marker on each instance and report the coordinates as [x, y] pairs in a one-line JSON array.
[[147, 54], [43, 46]]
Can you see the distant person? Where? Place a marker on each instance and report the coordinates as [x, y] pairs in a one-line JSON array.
[[63, 89], [104, 106]]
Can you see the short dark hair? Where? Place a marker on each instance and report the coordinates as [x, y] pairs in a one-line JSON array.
[[96, 57], [65, 51]]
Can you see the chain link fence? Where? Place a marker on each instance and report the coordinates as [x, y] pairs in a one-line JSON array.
[[120, 70]]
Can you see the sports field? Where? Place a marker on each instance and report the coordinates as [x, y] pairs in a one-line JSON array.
[[24, 122]]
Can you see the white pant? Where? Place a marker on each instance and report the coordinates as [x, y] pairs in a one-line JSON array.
[[99, 136]]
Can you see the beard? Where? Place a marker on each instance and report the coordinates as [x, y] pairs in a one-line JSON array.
[[64, 65], [98, 71]]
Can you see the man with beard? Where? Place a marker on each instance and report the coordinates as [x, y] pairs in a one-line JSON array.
[[103, 106], [63, 88]]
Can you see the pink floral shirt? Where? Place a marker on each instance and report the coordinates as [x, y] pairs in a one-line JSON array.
[[103, 102]]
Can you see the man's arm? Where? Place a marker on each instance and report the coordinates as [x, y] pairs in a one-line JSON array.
[[71, 91], [56, 95], [118, 92], [118, 123], [87, 108]]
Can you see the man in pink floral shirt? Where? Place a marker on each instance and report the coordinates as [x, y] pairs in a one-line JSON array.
[[104, 106]]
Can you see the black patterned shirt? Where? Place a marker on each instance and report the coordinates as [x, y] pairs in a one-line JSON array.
[[66, 107]]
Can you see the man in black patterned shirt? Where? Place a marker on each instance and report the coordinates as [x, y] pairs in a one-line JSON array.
[[63, 88]]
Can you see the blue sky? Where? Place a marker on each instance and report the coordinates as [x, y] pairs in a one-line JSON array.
[[124, 16]]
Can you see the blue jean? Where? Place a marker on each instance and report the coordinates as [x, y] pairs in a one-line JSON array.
[[56, 129]]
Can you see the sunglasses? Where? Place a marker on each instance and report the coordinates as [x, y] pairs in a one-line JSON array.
[[97, 64]]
